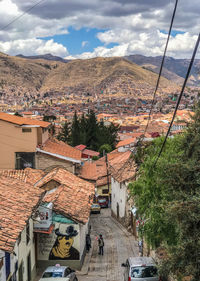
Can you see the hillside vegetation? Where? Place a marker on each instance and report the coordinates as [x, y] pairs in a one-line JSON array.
[[21, 75]]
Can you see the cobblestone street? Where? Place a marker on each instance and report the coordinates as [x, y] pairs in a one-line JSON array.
[[119, 244]]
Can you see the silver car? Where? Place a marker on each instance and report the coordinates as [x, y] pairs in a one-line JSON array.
[[59, 273], [140, 269]]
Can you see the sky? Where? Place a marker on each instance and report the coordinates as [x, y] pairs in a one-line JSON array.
[[81, 29]]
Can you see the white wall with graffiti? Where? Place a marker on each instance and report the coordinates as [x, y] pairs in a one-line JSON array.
[[62, 244], [2, 266]]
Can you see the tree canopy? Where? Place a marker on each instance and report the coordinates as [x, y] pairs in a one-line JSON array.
[[88, 131], [168, 199]]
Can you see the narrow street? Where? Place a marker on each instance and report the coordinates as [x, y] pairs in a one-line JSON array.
[[119, 244]]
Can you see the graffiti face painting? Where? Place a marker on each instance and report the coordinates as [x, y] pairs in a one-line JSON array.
[[62, 248]]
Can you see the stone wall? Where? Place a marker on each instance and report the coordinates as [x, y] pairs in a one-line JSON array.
[[44, 161]]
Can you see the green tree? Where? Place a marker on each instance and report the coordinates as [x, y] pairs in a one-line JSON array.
[[107, 134], [168, 198], [83, 128], [92, 131], [75, 131], [64, 134], [105, 148]]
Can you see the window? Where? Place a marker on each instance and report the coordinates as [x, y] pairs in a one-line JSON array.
[[27, 233], [24, 160], [105, 191], [26, 130], [67, 272], [19, 240], [144, 272]]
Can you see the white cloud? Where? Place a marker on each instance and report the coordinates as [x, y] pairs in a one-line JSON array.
[[84, 43], [151, 44], [133, 25], [33, 46]]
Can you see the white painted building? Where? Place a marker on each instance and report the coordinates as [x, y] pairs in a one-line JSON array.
[[17, 244], [119, 198], [122, 170]]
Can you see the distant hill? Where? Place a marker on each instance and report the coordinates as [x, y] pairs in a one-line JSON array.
[[45, 57], [174, 69], [115, 76]]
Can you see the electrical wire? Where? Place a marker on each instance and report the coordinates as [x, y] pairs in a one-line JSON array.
[[179, 99], [161, 67], [20, 16]]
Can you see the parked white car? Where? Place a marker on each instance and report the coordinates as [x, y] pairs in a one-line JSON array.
[[140, 269], [58, 273]]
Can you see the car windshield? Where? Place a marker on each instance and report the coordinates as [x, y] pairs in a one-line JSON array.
[[95, 205], [52, 274], [144, 271]]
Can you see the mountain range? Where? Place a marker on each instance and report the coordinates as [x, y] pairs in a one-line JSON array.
[[174, 69], [115, 75]]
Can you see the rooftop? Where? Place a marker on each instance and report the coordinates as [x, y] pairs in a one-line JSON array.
[[60, 149], [72, 198], [18, 200], [22, 121]]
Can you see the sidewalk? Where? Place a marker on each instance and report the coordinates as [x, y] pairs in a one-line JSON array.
[[85, 266]]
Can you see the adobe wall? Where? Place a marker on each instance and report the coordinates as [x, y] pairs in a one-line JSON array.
[[44, 161]]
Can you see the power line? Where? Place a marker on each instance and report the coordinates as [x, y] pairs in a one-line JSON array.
[[161, 66], [179, 99], [20, 16]]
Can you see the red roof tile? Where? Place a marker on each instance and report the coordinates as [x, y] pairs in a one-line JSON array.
[[123, 167], [60, 148], [22, 121], [73, 198], [80, 147], [28, 175], [18, 200], [126, 142], [90, 152]]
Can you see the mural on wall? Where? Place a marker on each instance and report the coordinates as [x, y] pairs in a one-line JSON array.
[[62, 248], [61, 244]]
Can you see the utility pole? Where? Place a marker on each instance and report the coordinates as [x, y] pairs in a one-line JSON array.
[[107, 178]]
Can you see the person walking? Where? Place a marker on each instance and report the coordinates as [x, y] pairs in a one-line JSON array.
[[101, 244], [88, 242]]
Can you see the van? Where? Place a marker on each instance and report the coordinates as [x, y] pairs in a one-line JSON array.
[[140, 269]]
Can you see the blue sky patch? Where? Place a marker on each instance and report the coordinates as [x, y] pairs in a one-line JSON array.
[[173, 32], [80, 41]]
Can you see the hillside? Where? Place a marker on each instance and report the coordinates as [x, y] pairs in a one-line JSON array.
[[174, 69], [112, 75]]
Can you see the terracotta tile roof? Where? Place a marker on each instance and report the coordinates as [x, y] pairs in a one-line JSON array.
[[22, 121], [126, 142], [123, 167], [28, 175], [18, 200], [89, 171], [60, 148], [103, 181], [97, 171], [80, 147], [73, 198], [90, 152]]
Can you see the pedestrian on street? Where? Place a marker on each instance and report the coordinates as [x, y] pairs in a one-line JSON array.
[[88, 242], [101, 244], [140, 244]]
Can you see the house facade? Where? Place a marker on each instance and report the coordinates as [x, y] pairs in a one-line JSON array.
[[122, 170], [25, 143], [61, 232], [19, 139], [18, 202]]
